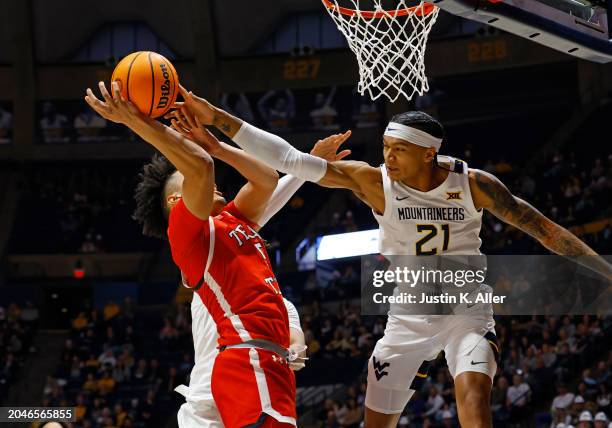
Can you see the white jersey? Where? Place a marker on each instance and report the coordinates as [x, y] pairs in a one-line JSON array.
[[441, 221]]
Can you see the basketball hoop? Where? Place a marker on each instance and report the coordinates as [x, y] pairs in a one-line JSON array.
[[389, 45]]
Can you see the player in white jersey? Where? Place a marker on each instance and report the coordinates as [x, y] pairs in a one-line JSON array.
[[411, 143], [200, 410]]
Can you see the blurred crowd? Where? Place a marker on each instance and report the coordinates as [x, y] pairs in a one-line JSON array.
[[18, 324], [120, 366], [540, 356], [324, 109], [86, 210]]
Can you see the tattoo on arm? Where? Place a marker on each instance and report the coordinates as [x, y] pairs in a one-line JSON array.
[[225, 127], [524, 216]]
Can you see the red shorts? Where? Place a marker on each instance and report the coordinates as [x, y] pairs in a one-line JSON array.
[[249, 382]]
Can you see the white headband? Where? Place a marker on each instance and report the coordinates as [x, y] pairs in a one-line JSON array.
[[412, 135]]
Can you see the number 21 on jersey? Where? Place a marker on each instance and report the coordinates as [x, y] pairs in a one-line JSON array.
[[429, 232]]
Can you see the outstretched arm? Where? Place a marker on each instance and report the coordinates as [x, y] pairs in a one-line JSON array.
[[253, 197], [190, 159], [490, 193], [278, 153], [287, 186]]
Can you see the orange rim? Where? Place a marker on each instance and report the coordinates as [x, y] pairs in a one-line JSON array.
[[424, 9]]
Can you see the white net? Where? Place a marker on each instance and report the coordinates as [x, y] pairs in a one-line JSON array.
[[389, 45]]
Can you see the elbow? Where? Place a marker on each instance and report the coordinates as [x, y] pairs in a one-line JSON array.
[[201, 165], [204, 162], [274, 177], [269, 181]]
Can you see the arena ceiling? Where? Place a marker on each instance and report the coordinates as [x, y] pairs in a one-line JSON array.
[[61, 27]]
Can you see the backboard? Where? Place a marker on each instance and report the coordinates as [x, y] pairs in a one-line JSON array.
[[576, 27]]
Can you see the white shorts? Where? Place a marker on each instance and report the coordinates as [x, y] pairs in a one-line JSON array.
[[200, 413], [401, 358]]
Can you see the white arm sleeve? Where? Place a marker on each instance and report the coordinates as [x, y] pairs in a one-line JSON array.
[[279, 154], [285, 189], [294, 317]]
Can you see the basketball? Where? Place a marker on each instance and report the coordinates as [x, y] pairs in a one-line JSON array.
[[149, 81]]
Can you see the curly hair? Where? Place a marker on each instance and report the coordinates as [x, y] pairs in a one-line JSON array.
[[150, 209]]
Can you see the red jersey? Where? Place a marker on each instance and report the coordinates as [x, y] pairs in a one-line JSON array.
[[240, 290]]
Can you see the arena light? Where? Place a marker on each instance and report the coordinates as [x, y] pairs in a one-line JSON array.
[[350, 244]]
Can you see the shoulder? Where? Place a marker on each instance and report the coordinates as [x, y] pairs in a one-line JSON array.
[[183, 229], [485, 188], [478, 175], [485, 184]]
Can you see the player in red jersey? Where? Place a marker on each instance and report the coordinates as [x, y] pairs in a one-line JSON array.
[[218, 249]]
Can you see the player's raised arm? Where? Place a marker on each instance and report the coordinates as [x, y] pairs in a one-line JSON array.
[[254, 196], [289, 184], [491, 194], [188, 157], [278, 153]]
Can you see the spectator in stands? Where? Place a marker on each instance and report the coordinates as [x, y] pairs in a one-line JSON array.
[[585, 419], [53, 125], [311, 342], [90, 384], [548, 356], [30, 315], [417, 406], [564, 398], [141, 370], [434, 404], [120, 415], [168, 334], [279, 117], [499, 400], [148, 408], [80, 322], [448, 419], [577, 408], [89, 126], [519, 394], [324, 115], [107, 359], [366, 112], [106, 384], [155, 374], [111, 310], [171, 380], [91, 244], [92, 363], [80, 409], [601, 420], [603, 397], [75, 368], [352, 414]]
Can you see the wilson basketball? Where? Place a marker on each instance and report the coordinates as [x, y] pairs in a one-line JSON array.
[[149, 81]]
